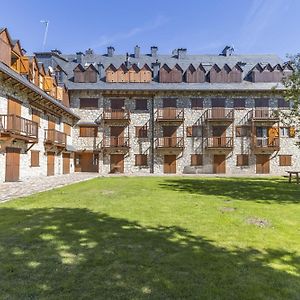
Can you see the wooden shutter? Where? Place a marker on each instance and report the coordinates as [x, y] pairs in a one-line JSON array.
[[67, 129], [285, 160], [35, 158], [141, 131], [141, 104], [48, 83], [36, 116], [141, 159], [88, 102], [197, 103], [196, 159], [242, 160], [189, 131], [59, 93], [292, 132], [88, 131]]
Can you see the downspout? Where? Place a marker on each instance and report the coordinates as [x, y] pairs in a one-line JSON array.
[[152, 135]]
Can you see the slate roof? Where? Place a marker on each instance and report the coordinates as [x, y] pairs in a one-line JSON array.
[[246, 62]]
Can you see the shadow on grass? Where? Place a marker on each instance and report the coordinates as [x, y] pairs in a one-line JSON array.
[[256, 189], [65, 253]]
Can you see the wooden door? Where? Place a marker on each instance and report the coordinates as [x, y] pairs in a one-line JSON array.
[[88, 162], [117, 163], [50, 163], [262, 164], [117, 136], [66, 163], [219, 136], [12, 171], [219, 166], [170, 164], [14, 108]]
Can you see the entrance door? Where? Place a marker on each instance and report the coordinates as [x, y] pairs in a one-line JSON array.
[[262, 164], [86, 162], [219, 164], [116, 163], [50, 163], [12, 164], [66, 163], [170, 164], [117, 136]]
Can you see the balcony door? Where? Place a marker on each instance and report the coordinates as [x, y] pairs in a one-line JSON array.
[[117, 136], [219, 136], [169, 136], [169, 105], [117, 108], [14, 108]]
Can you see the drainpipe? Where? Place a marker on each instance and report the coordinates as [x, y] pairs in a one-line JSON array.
[[152, 135]]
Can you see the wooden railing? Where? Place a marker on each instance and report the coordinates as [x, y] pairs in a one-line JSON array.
[[115, 142], [55, 137], [169, 142], [264, 114], [219, 142], [18, 125], [266, 142], [115, 114], [219, 113], [170, 114]]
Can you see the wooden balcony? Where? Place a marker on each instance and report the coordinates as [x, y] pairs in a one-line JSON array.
[[169, 143], [264, 115], [268, 144], [170, 114], [55, 137], [115, 115], [219, 115], [115, 143], [219, 143], [19, 128]]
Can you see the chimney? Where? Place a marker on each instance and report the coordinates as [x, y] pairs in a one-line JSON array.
[[56, 51], [181, 53], [154, 50], [110, 51], [79, 57], [137, 51], [227, 51], [155, 67], [101, 70], [127, 61]]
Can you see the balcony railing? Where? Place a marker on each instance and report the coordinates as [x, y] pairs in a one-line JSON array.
[[271, 143], [55, 137], [219, 114], [264, 114], [219, 142], [115, 114], [19, 126], [115, 142], [170, 114], [169, 142]]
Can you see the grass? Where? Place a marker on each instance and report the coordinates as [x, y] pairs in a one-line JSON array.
[[153, 238]]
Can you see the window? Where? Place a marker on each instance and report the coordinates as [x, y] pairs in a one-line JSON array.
[[261, 102], [194, 131], [282, 103], [285, 160], [141, 131], [242, 131], [141, 104], [88, 131], [196, 159], [239, 103], [36, 116], [89, 103], [197, 103], [218, 102], [35, 158], [287, 132], [242, 160], [141, 160]]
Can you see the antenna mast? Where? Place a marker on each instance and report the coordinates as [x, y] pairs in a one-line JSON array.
[[46, 32]]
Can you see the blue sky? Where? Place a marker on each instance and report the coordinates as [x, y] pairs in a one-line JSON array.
[[201, 26]]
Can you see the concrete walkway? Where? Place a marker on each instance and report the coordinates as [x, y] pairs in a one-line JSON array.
[[12, 190]]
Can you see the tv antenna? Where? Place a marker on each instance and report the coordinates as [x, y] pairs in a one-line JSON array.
[[46, 32]]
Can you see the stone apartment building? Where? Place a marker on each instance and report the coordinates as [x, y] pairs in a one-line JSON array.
[[142, 113], [36, 124], [177, 113]]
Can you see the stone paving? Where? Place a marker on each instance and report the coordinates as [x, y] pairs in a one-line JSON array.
[[12, 190]]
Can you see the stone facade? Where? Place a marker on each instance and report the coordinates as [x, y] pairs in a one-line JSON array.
[[192, 145]]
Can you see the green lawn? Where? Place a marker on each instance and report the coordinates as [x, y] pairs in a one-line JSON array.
[[154, 238]]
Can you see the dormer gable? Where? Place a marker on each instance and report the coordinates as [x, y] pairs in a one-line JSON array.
[[168, 75], [79, 74], [195, 75], [90, 74]]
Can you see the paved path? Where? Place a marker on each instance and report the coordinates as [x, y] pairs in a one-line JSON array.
[[11, 190]]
